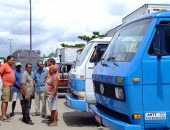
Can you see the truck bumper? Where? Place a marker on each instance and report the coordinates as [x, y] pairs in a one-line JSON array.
[[77, 104], [111, 122]]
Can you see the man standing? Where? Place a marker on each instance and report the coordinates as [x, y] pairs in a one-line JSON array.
[[27, 87], [39, 77], [8, 80], [17, 87]]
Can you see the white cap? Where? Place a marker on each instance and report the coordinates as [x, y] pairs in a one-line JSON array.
[[18, 63]]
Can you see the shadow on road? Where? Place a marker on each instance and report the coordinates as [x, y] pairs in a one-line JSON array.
[[78, 119]]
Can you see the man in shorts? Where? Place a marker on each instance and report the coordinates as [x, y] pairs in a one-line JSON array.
[[17, 87], [8, 80]]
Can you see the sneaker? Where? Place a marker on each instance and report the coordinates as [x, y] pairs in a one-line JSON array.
[[29, 123]]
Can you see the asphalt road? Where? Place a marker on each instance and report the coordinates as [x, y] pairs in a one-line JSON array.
[[68, 120]]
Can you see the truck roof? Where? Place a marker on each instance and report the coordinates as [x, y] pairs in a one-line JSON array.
[[152, 15], [165, 14], [145, 9], [102, 39]]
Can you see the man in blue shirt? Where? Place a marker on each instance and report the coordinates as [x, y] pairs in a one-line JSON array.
[[17, 87], [39, 77]]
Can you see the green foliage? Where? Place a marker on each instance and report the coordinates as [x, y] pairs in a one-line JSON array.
[[84, 38], [81, 45], [88, 38], [51, 54], [42, 57], [3, 58]]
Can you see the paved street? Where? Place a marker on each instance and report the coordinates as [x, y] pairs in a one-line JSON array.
[[68, 120]]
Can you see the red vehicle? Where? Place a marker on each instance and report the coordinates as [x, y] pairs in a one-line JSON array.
[[64, 68]]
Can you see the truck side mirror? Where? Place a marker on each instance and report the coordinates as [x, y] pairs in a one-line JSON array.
[[63, 69], [74, 64]]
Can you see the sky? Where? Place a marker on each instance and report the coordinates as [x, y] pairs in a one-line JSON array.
[[59, 21]]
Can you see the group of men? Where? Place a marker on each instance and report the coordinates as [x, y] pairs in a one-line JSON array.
[[24, 85]]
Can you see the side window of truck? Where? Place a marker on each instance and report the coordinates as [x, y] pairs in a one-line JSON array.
[[161, 42], [98, 53]]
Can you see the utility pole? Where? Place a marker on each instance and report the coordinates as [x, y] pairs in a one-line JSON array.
[[10, 45], [30, 26]]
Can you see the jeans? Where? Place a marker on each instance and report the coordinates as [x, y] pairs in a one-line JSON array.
[[26, 106]]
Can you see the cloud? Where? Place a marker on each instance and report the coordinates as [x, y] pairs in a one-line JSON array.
[[59, 21]]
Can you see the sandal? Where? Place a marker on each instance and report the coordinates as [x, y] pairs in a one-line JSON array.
[[5, 120], [53, 124]]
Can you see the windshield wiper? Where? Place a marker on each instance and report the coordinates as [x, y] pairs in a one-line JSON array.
[[113, 59]]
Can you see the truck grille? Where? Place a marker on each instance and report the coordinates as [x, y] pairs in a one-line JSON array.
[[114, 114], [107, 90]]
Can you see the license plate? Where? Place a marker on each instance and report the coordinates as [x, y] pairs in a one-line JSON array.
[[98, 119], [155, 116]]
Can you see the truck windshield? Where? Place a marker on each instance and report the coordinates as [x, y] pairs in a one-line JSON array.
[[126, 41], [83, 54], [86, 51]]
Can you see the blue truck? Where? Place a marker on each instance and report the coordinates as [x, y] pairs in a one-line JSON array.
[[132, 81], [81, 93]]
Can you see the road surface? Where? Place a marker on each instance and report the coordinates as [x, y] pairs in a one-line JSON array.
[[68, 120]]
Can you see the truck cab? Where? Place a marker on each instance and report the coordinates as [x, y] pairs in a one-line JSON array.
[[81, 92], [131, 82]]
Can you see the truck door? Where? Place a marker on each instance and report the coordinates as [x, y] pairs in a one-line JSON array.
[[156, 77], [90, 65]]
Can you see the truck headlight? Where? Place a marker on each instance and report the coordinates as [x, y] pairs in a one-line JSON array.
[[82, 95], [119, 93]]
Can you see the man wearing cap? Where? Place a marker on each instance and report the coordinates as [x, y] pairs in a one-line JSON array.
[[17, 87]]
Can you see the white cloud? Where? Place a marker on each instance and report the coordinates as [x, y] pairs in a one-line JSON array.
[[59, 21]]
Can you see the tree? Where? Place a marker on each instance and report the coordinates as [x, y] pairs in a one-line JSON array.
[[84, 38], [88, 38], [51, 54], [81, 45]]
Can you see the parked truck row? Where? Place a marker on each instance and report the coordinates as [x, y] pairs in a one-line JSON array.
[[131, 80]]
